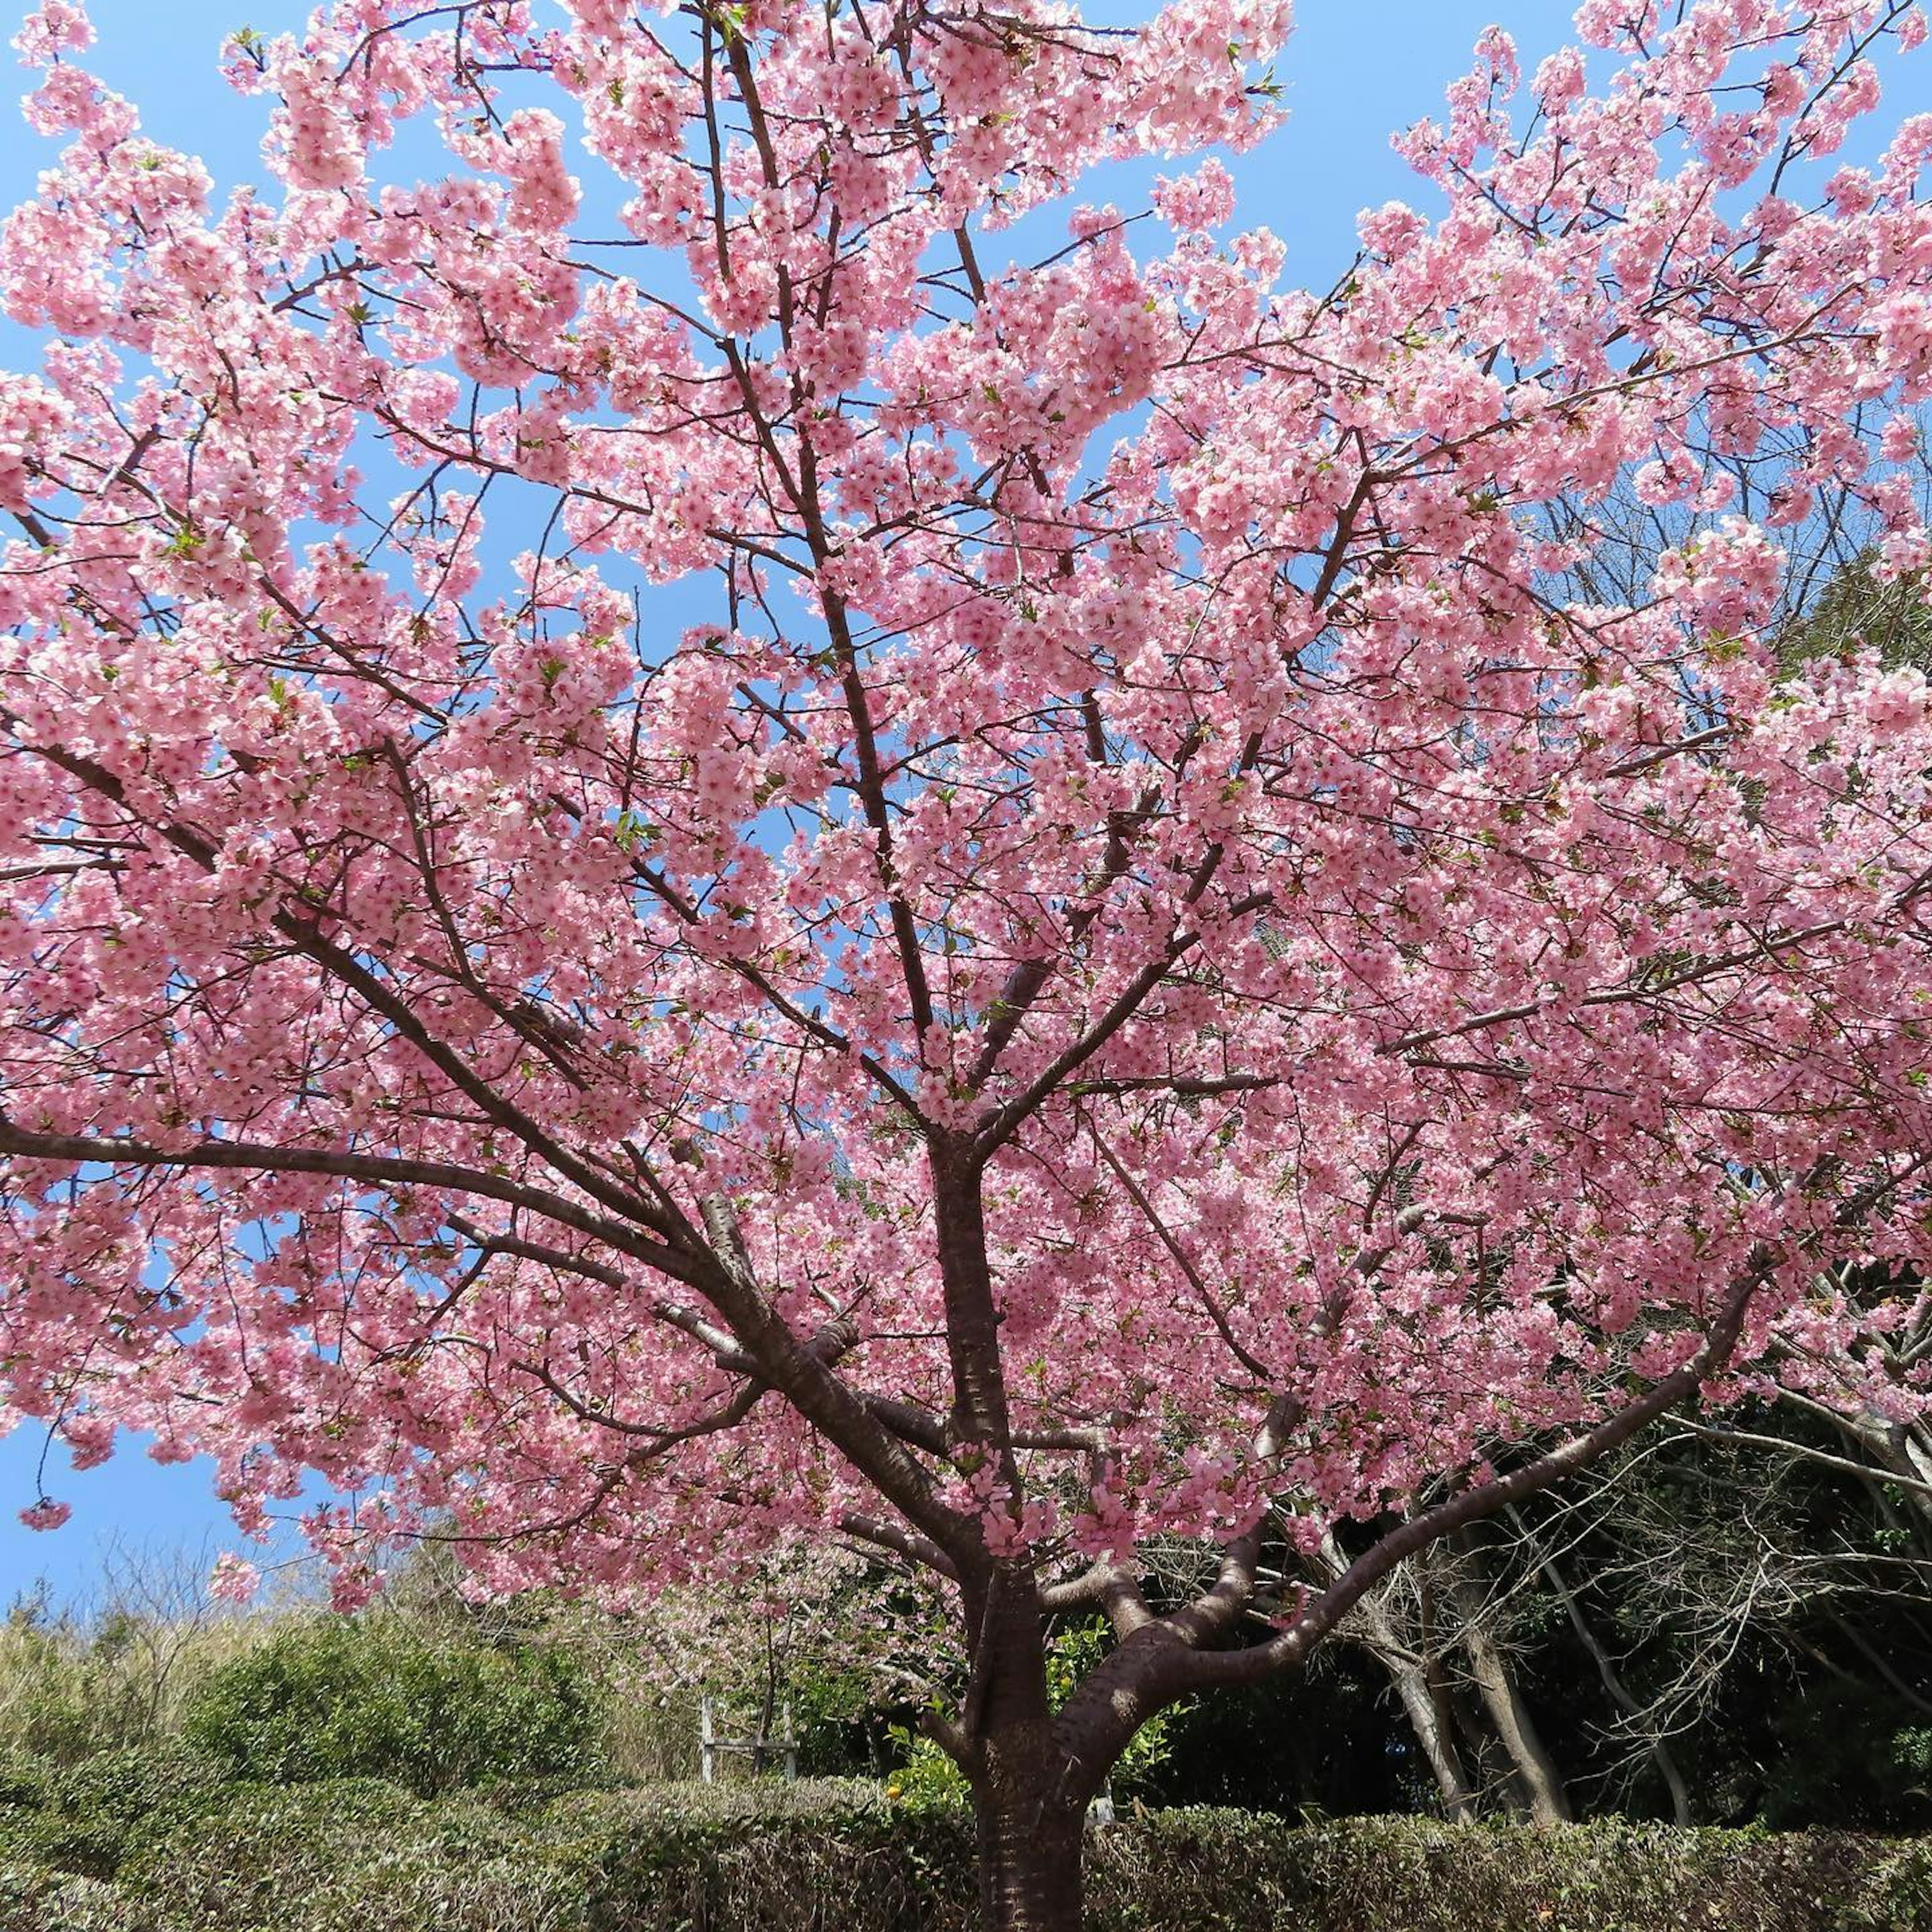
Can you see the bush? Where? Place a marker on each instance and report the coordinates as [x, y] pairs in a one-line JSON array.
[[1214, 1871], [360, 1855], [927, 1780], [145, 1781], [336, 1698], [46, 1901], [86, 1818], [23, 1781]]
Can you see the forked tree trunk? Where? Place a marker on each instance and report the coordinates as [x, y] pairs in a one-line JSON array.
[[1539, 1783]]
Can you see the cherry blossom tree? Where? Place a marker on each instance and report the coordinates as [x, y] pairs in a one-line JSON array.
[[1156, 970]]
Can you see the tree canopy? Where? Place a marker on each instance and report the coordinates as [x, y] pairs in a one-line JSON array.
[[1160, 967]]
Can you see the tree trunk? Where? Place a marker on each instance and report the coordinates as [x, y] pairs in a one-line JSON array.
[[1431, 1724], [1535, 1772], [1029, 1796], [1423, 1700], [1030, 1853], [1494, 1781], [1902, 1450]]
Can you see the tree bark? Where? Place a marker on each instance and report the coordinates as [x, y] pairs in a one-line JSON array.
[[1533, 1770], [1434, 1733], [1495, 1783], [1424, 1701], [1030, 1860], [1029, 1793], [1903, 1452]]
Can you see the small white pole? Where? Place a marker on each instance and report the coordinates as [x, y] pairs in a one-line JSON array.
[[707, 1758]]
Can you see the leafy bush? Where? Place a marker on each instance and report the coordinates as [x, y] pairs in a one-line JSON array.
[[1075, 1653], [86, 1819], [335, 1698], [361, 1856], [33, 1901], [23, 1781], [927, 1780], [154, 1780]]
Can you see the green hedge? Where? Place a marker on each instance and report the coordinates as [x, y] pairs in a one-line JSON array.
[[172, 1853]]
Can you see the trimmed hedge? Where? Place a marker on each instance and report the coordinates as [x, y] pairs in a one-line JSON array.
[[127, 1853]]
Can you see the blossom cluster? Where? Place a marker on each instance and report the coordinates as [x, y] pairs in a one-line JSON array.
[[1264, 861]]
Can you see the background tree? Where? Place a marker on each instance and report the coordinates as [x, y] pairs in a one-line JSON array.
[[1161, 988]]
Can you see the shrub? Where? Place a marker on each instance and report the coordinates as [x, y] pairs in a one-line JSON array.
[[927, 1780], [23, 1781], [349, 1855], [331, 1698], [1073, 1657], [360, 1855], [1216, 1871], [48, 1901], [142, 1781], [87, 1816]]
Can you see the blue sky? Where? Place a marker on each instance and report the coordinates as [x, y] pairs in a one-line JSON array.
[[1351, 75]]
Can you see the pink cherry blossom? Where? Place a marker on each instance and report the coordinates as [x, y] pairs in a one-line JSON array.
[[234, 1579], [1238, 923]]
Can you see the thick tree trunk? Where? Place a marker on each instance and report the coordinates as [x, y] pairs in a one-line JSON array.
[[1494, 1781], [1030, 1870], [1029, 1795]]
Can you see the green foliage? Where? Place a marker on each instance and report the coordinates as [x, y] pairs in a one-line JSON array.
[[829, 1710], [1854, 610], [23, 1781], [330, 1698], [64, 1693], [32, 1899], [85, 1818], [139, 1783], [926, 1779], [71, 1686], [1418, 1875], [360, 1855]]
